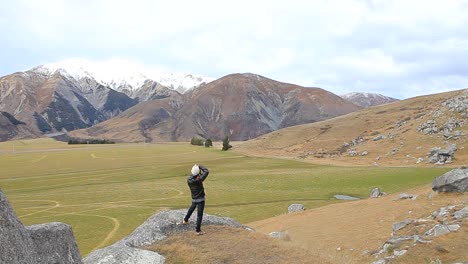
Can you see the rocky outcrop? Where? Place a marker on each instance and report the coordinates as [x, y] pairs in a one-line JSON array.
[[130, 250], [38, 244], [440, 156], [294, 208], [413, 232], [453, 181], [54, 243], [458, 104]]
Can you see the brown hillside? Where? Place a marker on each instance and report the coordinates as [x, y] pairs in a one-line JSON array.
[[353, 230], [133, 124], [331, 141]]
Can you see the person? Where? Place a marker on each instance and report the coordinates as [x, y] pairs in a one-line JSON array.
[[195, 183]]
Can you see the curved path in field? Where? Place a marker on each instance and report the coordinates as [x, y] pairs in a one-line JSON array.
[[110, 235], [57, 204]]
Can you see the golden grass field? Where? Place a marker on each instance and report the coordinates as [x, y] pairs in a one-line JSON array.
[[105, 191]]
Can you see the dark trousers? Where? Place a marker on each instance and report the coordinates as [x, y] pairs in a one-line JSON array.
[[201, 207]]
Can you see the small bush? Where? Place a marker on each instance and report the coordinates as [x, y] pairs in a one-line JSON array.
[[197, 141], [208, 143]]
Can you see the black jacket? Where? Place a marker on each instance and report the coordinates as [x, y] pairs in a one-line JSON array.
[[195, 183]]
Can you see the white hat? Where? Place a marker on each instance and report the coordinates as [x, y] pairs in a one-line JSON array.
[[195, 170]]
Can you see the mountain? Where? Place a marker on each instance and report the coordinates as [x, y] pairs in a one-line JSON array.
[[51, 102], [11, 128], [241, 106], [403, 132], [368, 99], [124, 79]]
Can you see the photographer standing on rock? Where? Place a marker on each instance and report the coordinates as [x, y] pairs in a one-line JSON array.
[[195, 183]]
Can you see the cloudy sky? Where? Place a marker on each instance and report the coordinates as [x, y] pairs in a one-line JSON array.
[[398, 48]]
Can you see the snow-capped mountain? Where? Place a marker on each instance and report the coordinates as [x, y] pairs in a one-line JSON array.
[[123, 76], [367, 99]]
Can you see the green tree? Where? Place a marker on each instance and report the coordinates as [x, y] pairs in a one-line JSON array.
[[226, 145], [208, 143]]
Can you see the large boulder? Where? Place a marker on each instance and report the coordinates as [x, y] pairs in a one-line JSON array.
[[453, 181], [16, 246], [156, 228], [38, 244], [442, 156], [54, 243]]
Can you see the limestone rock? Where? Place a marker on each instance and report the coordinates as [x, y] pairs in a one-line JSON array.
[[438, 230], [116, 254], [154, 229], [375, 193], [16, 246], [463, 213], [399, 253], [294, 208], [408, 196], [442, 156], [54, 243], [401, 225], [453, 181], [37, 244]]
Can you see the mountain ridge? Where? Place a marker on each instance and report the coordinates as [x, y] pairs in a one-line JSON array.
[[240, 106], [365, 100]]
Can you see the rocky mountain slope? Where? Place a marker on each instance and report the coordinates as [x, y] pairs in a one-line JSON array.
[[11, 128], [241, 106], [417, 131], [56, 102], [367, 99]]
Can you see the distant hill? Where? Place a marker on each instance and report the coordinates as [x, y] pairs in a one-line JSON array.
[[241, 106], [400, 133], [11, 128], [368, 99]]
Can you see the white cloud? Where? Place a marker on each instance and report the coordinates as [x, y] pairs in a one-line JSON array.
[[393, 47]]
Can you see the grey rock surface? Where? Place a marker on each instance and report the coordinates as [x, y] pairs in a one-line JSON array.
[[294, 208], [463, 213], [375, 193], [37, 244], [401, 225], [455, 180], [408, 196], [55, 243], [154, 229], [119, 254], [15, 242], [438, 230], [440, 156]]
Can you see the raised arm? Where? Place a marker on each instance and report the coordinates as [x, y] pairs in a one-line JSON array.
[[204, 172]]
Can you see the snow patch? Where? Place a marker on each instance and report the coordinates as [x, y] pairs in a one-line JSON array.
[[120, 75]]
